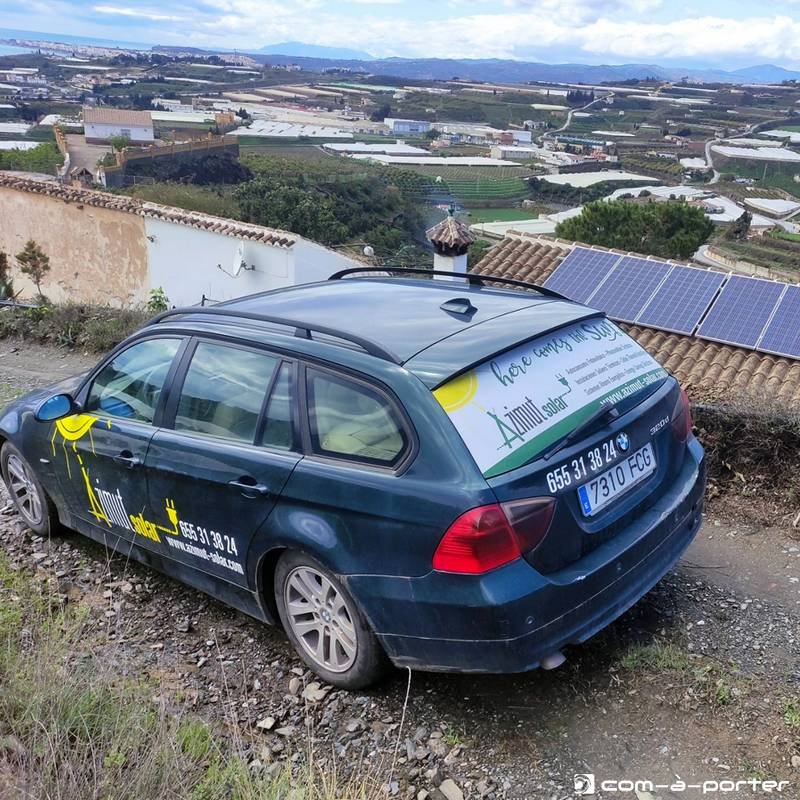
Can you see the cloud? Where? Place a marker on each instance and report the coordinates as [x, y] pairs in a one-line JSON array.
[[152, 16]]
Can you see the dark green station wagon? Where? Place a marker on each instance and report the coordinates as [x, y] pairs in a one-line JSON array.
[[439, 474]]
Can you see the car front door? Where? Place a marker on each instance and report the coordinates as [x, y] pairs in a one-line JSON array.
[[227, 447], [100, 453]]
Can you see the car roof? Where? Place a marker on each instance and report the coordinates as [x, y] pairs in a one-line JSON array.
[[405, 318]]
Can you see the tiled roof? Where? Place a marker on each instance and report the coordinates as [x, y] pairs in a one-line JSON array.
[[710, 372], [132, 205], [117, 116], [451, 233]]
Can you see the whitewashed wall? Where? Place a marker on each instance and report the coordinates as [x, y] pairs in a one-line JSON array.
[[189, 263], [104, 131]]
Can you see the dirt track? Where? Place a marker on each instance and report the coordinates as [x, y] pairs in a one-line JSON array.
[[695, 681]]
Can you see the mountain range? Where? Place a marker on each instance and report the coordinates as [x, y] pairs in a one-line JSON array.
[[513, 71]]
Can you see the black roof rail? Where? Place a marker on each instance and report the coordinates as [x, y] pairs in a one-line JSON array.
[[303, 330], [473, 277]]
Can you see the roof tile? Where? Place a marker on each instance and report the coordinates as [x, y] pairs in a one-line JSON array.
[[709, 371], [132, 205]]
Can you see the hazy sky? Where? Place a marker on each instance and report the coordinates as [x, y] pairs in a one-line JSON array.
[[727, 33]]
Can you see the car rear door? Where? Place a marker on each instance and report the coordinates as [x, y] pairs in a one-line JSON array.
[[227, 447]]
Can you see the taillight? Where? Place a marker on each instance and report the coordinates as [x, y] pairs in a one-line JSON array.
[[682, 422], [487, 537]]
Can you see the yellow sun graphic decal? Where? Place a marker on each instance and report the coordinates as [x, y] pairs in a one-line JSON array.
[[75, 427], [457, 393]]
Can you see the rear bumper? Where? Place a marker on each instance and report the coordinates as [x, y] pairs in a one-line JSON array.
[[513, 617]]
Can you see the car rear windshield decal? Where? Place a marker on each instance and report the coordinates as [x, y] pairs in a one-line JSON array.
[[511, 408]]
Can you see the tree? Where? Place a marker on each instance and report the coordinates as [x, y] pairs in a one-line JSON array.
[[34, 263], [740, 227], [119, 143], [667, 230], [381, 112], [6, 287]]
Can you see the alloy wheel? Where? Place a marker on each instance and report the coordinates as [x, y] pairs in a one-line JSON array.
[[320, 619], [24, 491]]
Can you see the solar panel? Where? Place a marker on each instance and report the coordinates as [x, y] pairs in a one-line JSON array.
[[681, 300], [628, 288], [741, 311], [782, 334], [581, 272]]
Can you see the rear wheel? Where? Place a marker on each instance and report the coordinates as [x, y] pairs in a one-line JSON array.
[[324, 624], [27, 494]]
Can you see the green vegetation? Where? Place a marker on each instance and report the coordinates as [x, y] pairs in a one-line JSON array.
[[713, 682], [75, 726], [331, 202], [198, 169], [667, 230], [6, 284], [791, 711], [96, 328], [659, 167], [206, 199], [34, 263], [44, 158], [777, 250], [564, 194], [500, 214], [775, 174]]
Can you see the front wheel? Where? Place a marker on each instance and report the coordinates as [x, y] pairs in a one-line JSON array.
[[323, 623], [27, 494]]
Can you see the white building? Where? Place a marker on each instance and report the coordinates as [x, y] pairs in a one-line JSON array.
[[100, 125]]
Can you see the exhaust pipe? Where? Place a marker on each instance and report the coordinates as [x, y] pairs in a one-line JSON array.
[[553, 660]]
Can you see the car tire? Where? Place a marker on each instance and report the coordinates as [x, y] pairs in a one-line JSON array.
[[32, 502], [325, 625]]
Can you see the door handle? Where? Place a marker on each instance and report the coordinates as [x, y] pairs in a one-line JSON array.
[[127, 459], [248, 487]]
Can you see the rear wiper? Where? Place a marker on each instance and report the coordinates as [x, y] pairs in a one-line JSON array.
[[605, 411]]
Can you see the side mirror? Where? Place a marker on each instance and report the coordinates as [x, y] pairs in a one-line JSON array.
[[55, 407]]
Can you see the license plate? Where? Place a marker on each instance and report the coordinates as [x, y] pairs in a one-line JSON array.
[[607, 486]]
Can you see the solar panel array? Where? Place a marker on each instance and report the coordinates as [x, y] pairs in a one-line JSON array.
[[682, 299], [741, 311], [732, 309], [580, 272], [629, 287]]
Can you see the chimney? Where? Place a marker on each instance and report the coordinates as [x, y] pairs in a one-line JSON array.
[[451, 240]]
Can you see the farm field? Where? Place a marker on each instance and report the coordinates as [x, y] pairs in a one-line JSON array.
[[500, 214]]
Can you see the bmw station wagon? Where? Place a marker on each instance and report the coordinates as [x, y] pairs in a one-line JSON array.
[[443, 475]]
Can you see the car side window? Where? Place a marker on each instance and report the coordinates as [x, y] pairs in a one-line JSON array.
[[223, 391], [278, 428], [353, 421], [130, 385]]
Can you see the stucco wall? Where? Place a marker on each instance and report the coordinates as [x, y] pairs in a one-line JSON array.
[[116, 256], [102, 132], [189, 263], [97, 255]]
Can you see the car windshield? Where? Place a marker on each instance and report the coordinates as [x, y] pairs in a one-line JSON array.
[[512, 407]]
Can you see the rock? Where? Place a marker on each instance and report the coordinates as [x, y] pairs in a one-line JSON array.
[[796, 762], [423, 794], [450, 790], [183, 625], [294, 686], [266, 724], [287, 730], [314, 692]]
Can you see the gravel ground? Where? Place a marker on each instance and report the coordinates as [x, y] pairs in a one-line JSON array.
[[691, 683]]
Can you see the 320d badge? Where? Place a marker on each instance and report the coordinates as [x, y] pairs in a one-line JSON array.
[[488, 477]]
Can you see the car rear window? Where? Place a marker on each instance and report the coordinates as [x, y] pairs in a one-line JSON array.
[[512, 407]]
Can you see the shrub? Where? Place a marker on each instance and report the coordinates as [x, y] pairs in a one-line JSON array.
[[95, 328]]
